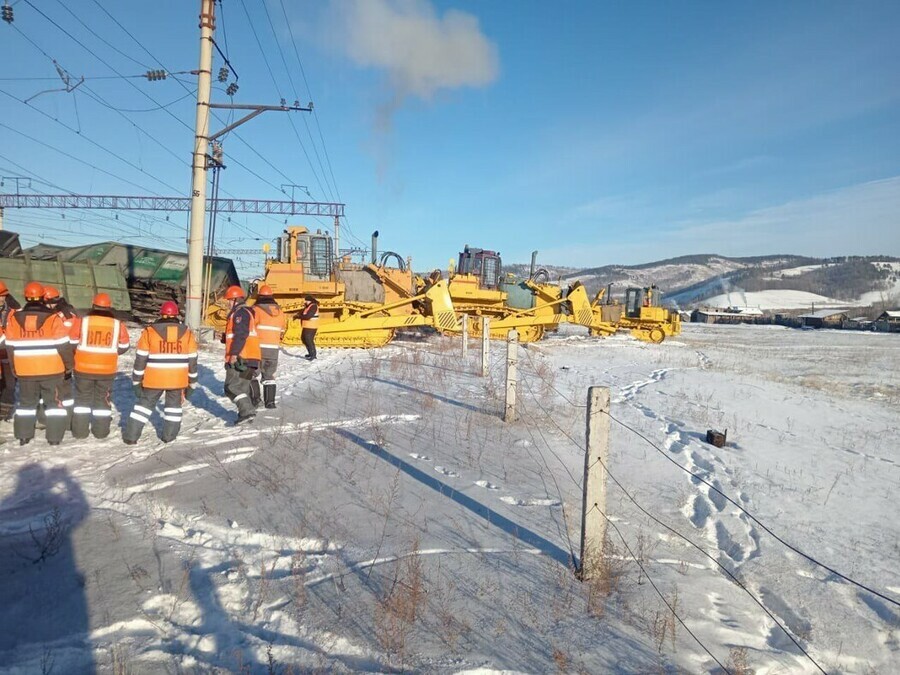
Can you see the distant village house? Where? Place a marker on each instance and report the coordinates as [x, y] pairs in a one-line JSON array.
[[825, 318], [888, 322], [731, 315]]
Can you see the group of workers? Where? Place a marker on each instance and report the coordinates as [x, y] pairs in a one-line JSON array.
[[63, 365]]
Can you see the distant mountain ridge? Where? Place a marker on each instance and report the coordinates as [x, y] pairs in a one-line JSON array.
[[695, 280]]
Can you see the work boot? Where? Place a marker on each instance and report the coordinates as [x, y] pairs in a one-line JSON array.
[[244, 419], [269, 395], [24, 441]]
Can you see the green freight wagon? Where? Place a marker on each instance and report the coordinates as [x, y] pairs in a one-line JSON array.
[[152, 275], [77, 282]]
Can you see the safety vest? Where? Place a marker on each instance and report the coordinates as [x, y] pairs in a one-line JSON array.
[[36, 339], [309, 318], [269, 325], [243, 322], [98, 341], [166, 357]]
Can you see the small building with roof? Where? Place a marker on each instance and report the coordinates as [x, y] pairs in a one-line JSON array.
[[824, 318], [888, 321]]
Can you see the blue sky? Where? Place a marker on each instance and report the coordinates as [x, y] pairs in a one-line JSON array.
[[595, 132]]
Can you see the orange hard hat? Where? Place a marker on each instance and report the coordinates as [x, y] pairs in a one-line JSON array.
[[50, 293], [33, 291], [265, 291], [102, 300], [168, 308], [3, 289], [234, 292]]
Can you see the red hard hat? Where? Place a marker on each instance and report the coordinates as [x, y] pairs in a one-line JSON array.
[[168, 308], [33, 291], [234, 292], [102, 300], [50, 293], [265, 292], [3, 289]]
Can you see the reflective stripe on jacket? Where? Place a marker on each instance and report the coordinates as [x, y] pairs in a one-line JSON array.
[[241, 338], [99, 339], [269, 325], [38, 342], [309, 317], [166, 357]]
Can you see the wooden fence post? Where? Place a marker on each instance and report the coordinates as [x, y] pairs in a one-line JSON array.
[[465, 336], [512, 353], [593, 508], [485, 345]]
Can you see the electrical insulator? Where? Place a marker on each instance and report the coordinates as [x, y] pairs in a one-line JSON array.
[[154, 75], [223, 74], [232, 89], [217, 153], [7, 13]]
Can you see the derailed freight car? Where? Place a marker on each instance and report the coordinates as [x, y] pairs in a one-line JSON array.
[[152, 275]]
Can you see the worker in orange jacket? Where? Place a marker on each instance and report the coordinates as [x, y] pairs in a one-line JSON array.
[[55, 302], [7, 378], [165, 362], [41, 357], [242, 355], [309, 324], [270, 329], [99, 339]]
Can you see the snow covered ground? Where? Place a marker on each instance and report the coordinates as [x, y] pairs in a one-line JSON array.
[[384, 518]]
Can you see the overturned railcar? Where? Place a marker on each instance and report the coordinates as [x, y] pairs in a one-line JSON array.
[[151, 275]]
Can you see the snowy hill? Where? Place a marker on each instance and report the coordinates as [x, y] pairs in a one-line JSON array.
[[767, 282]]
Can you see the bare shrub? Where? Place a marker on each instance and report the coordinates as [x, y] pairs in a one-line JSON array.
[[738, 662], [396, 612], [607, 570], [662, 623], [48, 541]]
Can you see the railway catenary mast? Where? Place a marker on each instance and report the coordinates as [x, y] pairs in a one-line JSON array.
[[194, 304]]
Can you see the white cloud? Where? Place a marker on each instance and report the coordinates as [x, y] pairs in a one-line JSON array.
[[420, 52]]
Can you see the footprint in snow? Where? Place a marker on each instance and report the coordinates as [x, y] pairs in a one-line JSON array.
[[514, 501], [446, 472], [522, 443], [486, 485], [421, 458]]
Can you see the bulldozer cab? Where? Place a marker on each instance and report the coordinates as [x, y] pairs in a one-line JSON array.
[[637, 298], [485, 265], [311, 254]]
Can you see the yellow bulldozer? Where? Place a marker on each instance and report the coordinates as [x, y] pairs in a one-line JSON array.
[[479, 289], [360, 305], [641, 313]]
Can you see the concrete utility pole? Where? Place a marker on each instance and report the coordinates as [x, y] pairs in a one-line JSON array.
[[193, 311], [512, 353], [485, 345], [465, 332], [593, 508]]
